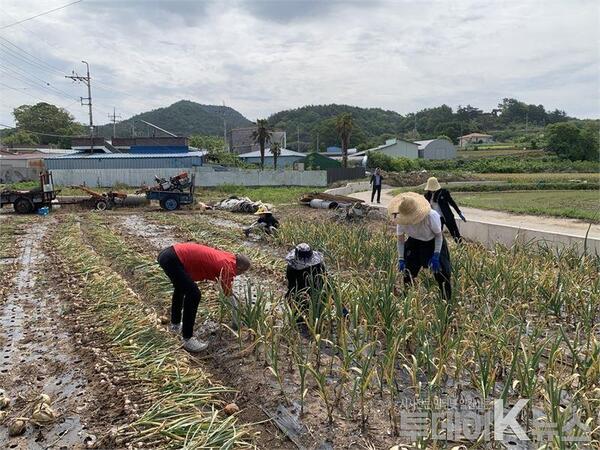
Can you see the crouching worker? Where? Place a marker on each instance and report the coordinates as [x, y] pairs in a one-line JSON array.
[[187, 263], [305, 276], [266, 222], [426, 246]]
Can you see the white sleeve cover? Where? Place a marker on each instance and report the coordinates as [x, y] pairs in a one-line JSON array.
[[435, 224], [400, 242]]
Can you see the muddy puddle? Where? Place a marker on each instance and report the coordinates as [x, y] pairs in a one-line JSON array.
[[37, 355]]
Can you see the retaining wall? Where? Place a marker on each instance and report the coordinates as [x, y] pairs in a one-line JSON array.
[[489, 234]]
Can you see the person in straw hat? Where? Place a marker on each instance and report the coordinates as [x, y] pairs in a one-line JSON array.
[[266, 221], [425, 246], [441, 200]]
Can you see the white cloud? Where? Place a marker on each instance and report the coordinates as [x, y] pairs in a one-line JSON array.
[[261, 57]]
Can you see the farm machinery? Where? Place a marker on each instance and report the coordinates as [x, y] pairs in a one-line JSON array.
[[102, 200], [172, 193], [26, 202]]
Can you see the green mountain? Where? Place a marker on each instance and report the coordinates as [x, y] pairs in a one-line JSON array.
[[183, 118], [318, 121]]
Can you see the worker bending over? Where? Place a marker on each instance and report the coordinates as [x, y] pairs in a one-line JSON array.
[[441, 200], [266, 222], [425, 246], [305, 276], [187, 263]]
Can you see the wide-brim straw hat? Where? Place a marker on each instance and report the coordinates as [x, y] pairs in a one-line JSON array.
[[409, 208], [262, 210], [433, 184]]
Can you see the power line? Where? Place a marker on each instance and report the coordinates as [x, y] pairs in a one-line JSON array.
[[39, 15], [37, 132], [37, 98], [30, 58], [45, 84]]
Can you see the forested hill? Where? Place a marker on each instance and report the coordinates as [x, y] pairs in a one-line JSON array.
[[373, 125], [319, 120], [183, 118]]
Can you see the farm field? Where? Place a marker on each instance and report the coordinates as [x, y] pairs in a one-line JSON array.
[[539, 177], [496, 151], [574, 204], [83, 321]]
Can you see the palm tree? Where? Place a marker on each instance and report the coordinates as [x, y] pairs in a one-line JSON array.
[[261, 136], [275, 151], [344, 124]]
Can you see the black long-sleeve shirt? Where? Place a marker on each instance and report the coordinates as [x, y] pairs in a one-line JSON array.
[[305, 279]]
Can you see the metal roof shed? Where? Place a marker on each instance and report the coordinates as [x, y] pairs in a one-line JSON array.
[[436, 149], [125, 161]]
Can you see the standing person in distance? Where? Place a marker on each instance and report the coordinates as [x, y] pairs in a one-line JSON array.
[[440, 201], [376, 181], [425, 246], [186, 263]]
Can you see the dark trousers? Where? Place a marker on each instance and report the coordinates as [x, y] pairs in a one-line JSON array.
[[186, 295], [452, 228], [417, 255], [377, 189]]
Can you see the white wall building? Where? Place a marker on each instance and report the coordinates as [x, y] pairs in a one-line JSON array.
[[398, 148], [475, 138], [436, 149]]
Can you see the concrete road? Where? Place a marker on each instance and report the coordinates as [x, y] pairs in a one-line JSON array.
[[570, 227]]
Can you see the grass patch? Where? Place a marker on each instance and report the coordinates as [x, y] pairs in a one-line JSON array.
[[572, 204], [540, 177], [497, 151], [269, 194]]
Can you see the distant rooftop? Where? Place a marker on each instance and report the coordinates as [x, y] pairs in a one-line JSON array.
[[476, 135], [284, 152], [87, 155]]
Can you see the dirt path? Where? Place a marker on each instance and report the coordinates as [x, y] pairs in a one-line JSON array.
[[38, 356], [540, 223]]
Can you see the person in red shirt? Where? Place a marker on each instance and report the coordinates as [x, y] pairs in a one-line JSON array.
[[187, 263]]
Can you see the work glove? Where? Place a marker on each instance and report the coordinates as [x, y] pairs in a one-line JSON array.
[[462, 217], [434, 263], [401, 265]]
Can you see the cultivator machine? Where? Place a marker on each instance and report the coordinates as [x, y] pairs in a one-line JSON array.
[[103, 200]]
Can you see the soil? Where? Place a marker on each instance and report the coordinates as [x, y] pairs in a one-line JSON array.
[[47, 350], [259, 395], [47, 347]]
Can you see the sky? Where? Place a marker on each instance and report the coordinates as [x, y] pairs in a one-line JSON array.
[[264, 56]]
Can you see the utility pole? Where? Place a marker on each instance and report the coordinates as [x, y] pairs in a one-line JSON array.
[[75, 77], [526, 121], [317, 142], [224, 129], [298, 135], [114, 118]]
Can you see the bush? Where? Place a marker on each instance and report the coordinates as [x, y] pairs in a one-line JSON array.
[[574, 141], [389, 164]]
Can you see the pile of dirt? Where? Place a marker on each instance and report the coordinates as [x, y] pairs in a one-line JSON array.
[[416, 178]]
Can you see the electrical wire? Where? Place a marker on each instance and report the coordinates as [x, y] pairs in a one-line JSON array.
[[44, 84], [29, 59], [41, 134], [39, 15]]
